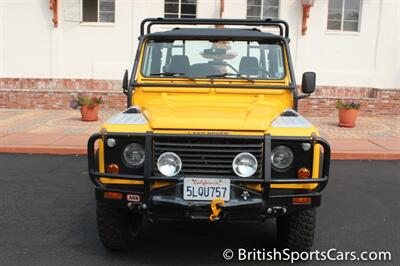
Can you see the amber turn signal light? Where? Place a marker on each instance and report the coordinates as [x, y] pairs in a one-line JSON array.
[[112, 195], [303, 200], [113, 168], [303, 173]]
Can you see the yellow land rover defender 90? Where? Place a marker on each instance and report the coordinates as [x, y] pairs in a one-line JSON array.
[[211, 132]]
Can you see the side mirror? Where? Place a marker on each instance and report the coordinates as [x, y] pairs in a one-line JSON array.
[[308, 82], [125, 81]]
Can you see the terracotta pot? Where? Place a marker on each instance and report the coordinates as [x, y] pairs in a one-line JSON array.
[[90, 113], [347, 117]]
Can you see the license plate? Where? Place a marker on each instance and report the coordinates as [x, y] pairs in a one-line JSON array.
[[206, 188]]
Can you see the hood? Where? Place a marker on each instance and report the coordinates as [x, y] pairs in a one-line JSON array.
[[211, 113]]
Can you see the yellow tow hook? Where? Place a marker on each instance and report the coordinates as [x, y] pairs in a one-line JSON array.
[[216, 209]]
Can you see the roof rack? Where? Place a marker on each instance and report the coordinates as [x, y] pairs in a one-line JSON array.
[[282, 25]]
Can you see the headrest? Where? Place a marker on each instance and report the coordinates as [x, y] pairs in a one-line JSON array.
[[179, 64], [248, 65]]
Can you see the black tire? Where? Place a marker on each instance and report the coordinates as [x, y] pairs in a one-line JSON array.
[[117, 228], [296, 231]]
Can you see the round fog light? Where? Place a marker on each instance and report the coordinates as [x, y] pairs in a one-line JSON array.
[[169, 164], [245, 164]]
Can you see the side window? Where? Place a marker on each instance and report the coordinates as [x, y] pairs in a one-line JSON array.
[[261, 9], [344, 15], [180, 8], [274, 61]]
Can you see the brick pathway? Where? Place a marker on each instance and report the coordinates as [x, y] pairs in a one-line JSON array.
[[46, 131], [62, 132], [373, 137]]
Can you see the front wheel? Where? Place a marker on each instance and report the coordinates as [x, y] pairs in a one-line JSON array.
[[296, 231], [117, 228]]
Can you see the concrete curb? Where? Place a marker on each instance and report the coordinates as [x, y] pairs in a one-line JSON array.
[[365, 155], [66, 150], [61, 150]]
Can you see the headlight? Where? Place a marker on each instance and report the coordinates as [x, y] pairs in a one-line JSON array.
[[245, 164], [281, 157], [169, 164], [133, 155]]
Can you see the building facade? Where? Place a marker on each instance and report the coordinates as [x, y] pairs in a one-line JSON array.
[[85, 45]]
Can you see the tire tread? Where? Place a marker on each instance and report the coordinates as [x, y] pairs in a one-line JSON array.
[[113, 227], [296, 231]]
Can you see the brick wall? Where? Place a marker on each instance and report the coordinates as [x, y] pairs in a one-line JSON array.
[[374, 102], [56, 94]]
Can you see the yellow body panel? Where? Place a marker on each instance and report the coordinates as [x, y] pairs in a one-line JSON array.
[[189, 110], [105, 180]]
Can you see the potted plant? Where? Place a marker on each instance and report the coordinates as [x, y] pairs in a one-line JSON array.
[[89, 106], [348, 111]]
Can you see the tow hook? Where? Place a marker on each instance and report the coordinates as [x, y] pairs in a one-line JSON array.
[[276, 210], [216, 209], [137, 206]]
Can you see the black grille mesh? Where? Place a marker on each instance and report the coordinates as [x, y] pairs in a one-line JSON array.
[[207, 156]]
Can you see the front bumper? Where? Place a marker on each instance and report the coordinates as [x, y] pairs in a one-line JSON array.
[[167, 202]]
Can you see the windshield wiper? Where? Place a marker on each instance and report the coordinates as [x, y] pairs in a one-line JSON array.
[[225, 75], [172, 74]]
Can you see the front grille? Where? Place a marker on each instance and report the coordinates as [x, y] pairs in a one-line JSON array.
[[208, 156]]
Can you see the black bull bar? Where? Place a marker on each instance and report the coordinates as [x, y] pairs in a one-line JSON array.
[[267, 199]]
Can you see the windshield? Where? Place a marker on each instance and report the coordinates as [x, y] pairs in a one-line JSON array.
[[205, 59]]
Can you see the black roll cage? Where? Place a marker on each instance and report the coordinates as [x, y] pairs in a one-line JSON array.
[[282, 25]]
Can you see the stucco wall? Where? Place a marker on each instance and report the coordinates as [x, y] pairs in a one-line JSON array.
[[31, 47]]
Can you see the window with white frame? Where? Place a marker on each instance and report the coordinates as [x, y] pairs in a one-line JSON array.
[[89, 11], [344, 15], [98, 11], [261, 9], [180, 8]]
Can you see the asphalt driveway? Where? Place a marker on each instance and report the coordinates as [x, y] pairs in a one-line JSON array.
[[47, 217]]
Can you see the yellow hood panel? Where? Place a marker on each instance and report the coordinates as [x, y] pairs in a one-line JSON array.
[[253, 113]]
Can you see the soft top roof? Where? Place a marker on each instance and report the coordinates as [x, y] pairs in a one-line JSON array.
[[214, 34]]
